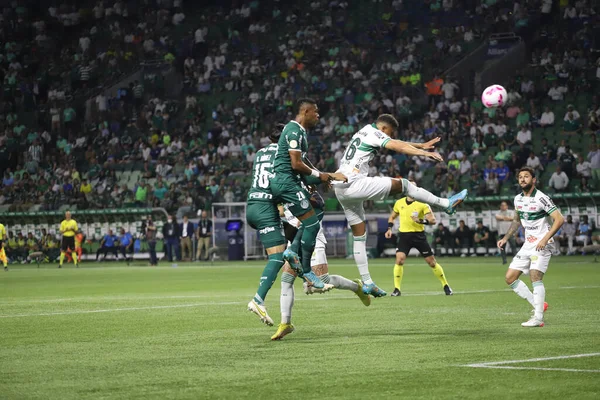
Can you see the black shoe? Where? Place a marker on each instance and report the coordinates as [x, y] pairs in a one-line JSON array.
[[6, 268], [396, 293], [59, 265], [447, 290]]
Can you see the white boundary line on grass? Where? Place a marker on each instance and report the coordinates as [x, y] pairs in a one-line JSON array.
[[503, 364], [225, 303]]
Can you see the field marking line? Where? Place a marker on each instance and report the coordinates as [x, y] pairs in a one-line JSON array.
[[312, 298], [503, 364], [534, 368], [126, 298]]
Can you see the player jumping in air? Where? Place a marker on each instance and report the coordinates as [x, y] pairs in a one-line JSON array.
[[262, 214], [533, 209], [414, 215], [288, 189], [319, 266], [360, 187]]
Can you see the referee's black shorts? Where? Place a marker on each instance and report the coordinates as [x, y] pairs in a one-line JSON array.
[[68, 243], [409, 240]]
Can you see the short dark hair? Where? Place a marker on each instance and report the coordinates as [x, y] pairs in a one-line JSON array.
[[276, 133], [388, 119], [527, 169], [301, 103]]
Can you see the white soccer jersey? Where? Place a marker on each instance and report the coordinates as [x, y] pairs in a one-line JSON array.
[[360, 151], [534, 212]]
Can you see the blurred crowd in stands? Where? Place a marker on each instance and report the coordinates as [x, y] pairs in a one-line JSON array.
[[241, 69]]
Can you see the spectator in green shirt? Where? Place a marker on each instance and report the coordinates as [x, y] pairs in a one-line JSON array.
[[523, 118], [141, 194], [503, 154]]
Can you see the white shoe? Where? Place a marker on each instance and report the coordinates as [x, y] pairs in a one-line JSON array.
[[261, 311], [533, 323], [311, 289]]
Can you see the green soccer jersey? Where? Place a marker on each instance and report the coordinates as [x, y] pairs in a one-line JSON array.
[[262, 173], [293, 138]]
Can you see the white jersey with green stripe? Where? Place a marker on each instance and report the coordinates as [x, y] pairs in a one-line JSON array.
[[534, 212], [362, 148]]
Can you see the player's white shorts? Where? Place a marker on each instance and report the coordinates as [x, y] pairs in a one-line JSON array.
[[319, 256], [528, 258], [351, 195]]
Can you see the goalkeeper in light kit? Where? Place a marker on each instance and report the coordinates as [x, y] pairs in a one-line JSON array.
[[534, 210], [414, 215]]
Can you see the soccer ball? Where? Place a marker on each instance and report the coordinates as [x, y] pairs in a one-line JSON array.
[[494, 96]]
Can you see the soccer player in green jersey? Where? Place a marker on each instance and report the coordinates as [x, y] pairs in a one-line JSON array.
[[288, 189], [262, 214]]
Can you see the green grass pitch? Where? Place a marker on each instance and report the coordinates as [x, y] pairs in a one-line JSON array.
[[107, 331]]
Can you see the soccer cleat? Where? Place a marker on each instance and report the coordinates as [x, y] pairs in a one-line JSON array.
[[447, 290], [308, 289], [373, 290], [365, 298], [283, 330], [292, 258], [396, 293], [533, 323], [313, 280], [6, 268], [456, 200], [261, 311], [545, 306]]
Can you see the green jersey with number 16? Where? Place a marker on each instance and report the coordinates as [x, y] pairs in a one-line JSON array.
[[361, 150], [293, 138], [262, 173]]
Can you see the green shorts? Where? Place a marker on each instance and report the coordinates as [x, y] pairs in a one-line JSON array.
[[291, 194], [264, 217]]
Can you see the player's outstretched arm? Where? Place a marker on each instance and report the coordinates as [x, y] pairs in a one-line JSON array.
[[427, 145], [558, 221], [299, 166], [514, 227], [406, 148]]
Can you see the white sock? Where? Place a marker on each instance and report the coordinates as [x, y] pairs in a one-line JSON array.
[[286, 299], [539, 296], [423, 195], [341, 283], [360, 257], [523, 291]]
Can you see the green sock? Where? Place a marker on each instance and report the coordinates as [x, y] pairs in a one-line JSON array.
[[295, 247], [309, 239], [268, 276]]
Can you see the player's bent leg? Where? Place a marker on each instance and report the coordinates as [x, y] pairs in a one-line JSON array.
[[438, 271], [264, 216], [517, 266], [311, 225], [398, 273]]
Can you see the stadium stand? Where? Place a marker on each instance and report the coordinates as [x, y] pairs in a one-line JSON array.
[[66, 142]]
